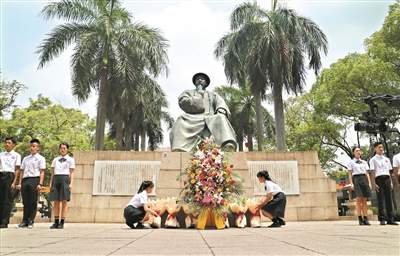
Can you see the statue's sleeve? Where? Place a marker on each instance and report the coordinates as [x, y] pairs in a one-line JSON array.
[[220, 103], [191, 102]]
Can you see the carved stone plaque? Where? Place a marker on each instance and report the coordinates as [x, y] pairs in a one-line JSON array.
[[123, 177], [283, 173]]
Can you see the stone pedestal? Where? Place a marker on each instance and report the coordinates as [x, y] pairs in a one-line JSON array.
[[316, 199]]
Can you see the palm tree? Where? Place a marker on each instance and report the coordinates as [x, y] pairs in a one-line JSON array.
[[102, 31], [272, 47]]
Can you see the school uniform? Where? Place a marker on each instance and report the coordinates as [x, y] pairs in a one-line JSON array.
[[134, 211], [8, 162], [396, 163], [359, 170], [275, 207], [31, 165], [382, 167], [59, 190]]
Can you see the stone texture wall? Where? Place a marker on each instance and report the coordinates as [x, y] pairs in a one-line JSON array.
[[317, 199]]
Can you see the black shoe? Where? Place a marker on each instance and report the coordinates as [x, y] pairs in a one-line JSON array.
[[274, 225], [22, 225], [30, 225], [3, 226], [141, 226], [281, 222], [361, 222], [55, 225], [60, 226], [391, 222], [382, 222], [154, 225], [366, 222]]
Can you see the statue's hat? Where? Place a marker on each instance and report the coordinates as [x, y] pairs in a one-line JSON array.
[[201, 74]]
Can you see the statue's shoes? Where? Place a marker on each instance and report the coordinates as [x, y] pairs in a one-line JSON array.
[[230, 146]]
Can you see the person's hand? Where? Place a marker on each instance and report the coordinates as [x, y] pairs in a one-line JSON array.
[[39, 187], [155, 213], [18, 187], [70, 187], [12, 186], [391, 186], [258, 206], [376, 187], [352, 187], [370, 187]]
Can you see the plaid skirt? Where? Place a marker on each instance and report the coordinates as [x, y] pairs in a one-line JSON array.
[[59, 190], [361, 186]]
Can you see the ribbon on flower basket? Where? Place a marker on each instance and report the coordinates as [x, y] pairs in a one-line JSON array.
[[225, 218], [173, 208], [240, 217], [171, 216]]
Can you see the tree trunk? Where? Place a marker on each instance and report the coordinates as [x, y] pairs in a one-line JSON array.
[[120, 130], [137, 136], [279, 118], [101, 110], [143, 141], [240, 143], [128, 133], [260, 118]]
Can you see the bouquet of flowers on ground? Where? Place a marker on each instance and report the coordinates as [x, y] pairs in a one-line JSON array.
[[209, 180], [240, 208]]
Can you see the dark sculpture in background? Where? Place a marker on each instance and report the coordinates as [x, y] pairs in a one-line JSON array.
[[206, 114]]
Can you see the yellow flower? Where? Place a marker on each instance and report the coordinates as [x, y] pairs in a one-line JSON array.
[[192, 175], [228, 179], [189, 171], [226, 204], [219, 189], [193, 181], [205, 188]]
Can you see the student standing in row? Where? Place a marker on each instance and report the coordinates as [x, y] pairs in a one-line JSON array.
[[137, 210], [380, 168], [396, 169], [9, 167], [361, 184], [31, 181], [274, 204], [62, 178]]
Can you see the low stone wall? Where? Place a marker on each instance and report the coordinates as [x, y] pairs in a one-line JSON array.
[[317, 199]]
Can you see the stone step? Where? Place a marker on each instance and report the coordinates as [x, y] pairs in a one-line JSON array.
[[370, 217]]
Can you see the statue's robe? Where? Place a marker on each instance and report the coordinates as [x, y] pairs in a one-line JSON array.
[[201, 119]]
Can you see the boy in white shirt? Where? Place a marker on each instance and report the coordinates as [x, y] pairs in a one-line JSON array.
[[396, 169], [380, 168], [31, 181], [9, 167]]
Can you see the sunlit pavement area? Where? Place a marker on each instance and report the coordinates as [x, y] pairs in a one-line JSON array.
[[296, 238]]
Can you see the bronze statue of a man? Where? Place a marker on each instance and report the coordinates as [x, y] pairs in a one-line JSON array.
[[206, 114]]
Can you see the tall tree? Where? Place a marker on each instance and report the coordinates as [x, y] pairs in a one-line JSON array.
[[8, 94], [101, 31], [272, 46]]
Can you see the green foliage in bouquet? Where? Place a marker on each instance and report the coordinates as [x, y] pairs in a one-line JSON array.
[[209, 181]]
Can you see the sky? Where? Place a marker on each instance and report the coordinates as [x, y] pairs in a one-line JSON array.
[[192, 28]]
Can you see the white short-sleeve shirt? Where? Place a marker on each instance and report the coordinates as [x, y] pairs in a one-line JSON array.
[[381, 165], [357, 166], [32, 165], [8, 161], [272, 187], [139, 200], [396, 162], [62, 165]]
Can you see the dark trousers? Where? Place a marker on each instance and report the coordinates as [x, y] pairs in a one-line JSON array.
[[29, 198], [384, 195], [6, 200]]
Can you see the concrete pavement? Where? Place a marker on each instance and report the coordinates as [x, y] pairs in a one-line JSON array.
[[296, 238]]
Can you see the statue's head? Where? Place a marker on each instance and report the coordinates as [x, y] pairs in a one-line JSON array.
[[201, 76]]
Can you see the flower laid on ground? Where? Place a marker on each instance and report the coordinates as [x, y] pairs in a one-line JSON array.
[[209, 180]]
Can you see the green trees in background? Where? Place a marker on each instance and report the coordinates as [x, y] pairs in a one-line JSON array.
[[323, 119], [109, 51], [271, 47]]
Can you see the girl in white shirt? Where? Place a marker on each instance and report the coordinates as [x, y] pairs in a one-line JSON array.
[[137, 210], [273, 207], [61, 180]]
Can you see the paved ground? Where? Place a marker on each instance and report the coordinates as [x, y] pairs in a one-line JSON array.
[[296, 238]]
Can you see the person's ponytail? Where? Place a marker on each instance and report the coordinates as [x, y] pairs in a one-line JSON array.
[[145, 184]]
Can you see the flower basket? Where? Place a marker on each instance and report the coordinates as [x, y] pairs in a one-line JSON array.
[[210, 184]]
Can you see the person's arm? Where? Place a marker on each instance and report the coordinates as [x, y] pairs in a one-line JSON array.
[[16, 172], [41, 178], [368, 178], [351, 179], [396, 176], [51, 177], [21, 175], [148, 210], [268, 198], [71, 177], [373, 179]]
